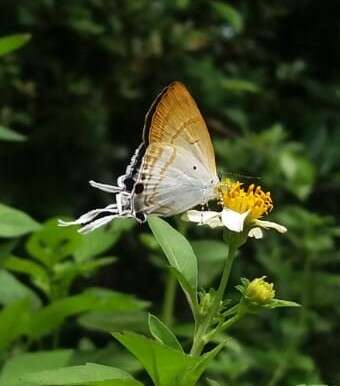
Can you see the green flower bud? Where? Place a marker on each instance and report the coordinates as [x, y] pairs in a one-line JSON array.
[[259, 291], [207, 300]]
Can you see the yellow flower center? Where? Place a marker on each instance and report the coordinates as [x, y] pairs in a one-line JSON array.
[[234, 196]]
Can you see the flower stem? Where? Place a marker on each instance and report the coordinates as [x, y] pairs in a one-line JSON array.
[[201, 337]]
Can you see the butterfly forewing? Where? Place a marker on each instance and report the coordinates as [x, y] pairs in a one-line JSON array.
[[178, 168], [177, 120]]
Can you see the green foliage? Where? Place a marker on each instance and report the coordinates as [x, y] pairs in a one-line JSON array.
[[79, 92], [55, 258], [99, 241], [180, 256], [166, 366], [22, 364], [177, 250], [10, 135], [230, 14], [50, 317], [13, 42], [11, 290], [211, 255], [12, 321], [49, 246], [162, 333], [89, 374], [14, 222]]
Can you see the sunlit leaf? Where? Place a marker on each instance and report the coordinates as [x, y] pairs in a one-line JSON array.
[[240, 85], [176, 248], [11, 135], [13, 42]]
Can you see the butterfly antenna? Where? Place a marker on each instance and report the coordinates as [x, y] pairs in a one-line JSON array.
[[238, 175]]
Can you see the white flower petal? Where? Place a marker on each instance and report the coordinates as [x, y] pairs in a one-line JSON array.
[[256, 233], [234, 221], [214, 222], [208, 217], [271, 224]]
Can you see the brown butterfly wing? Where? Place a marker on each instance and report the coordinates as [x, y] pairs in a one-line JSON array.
[[178, 168], [174, 118]]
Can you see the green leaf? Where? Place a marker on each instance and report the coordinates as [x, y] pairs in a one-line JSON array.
[[90, 373], [189, 292], [12, 321], [230, 14], [211, 382], [66, 272], [162, 333], [14, 222], [35, 271], [108, 321], [211, 256], [10, 135], [11, 290], [99, 241], [275, 303], [240, 85], [177, 250], [50, 317], [111, 354], [13, 42], [25, 363], [164, 365], [52, 243], [6, 248], [299, 172]]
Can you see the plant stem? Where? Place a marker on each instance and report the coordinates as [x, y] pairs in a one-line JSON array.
[[169, 299], [200, 338]]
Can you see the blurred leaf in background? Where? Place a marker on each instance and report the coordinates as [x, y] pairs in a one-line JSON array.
[[265, 76]]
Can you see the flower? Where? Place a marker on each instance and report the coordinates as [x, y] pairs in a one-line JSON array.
[[242, 208], [259, 291]]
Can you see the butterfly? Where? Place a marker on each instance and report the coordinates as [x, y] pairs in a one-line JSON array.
[[171, 171]]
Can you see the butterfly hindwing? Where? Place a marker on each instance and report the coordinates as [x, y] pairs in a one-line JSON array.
[[172, 180]]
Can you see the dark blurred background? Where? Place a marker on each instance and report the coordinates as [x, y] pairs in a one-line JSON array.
[[266, 77]]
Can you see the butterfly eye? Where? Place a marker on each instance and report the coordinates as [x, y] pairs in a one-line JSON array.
[[195, 167]]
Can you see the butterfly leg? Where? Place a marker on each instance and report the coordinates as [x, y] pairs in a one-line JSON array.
[[105, 187]]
